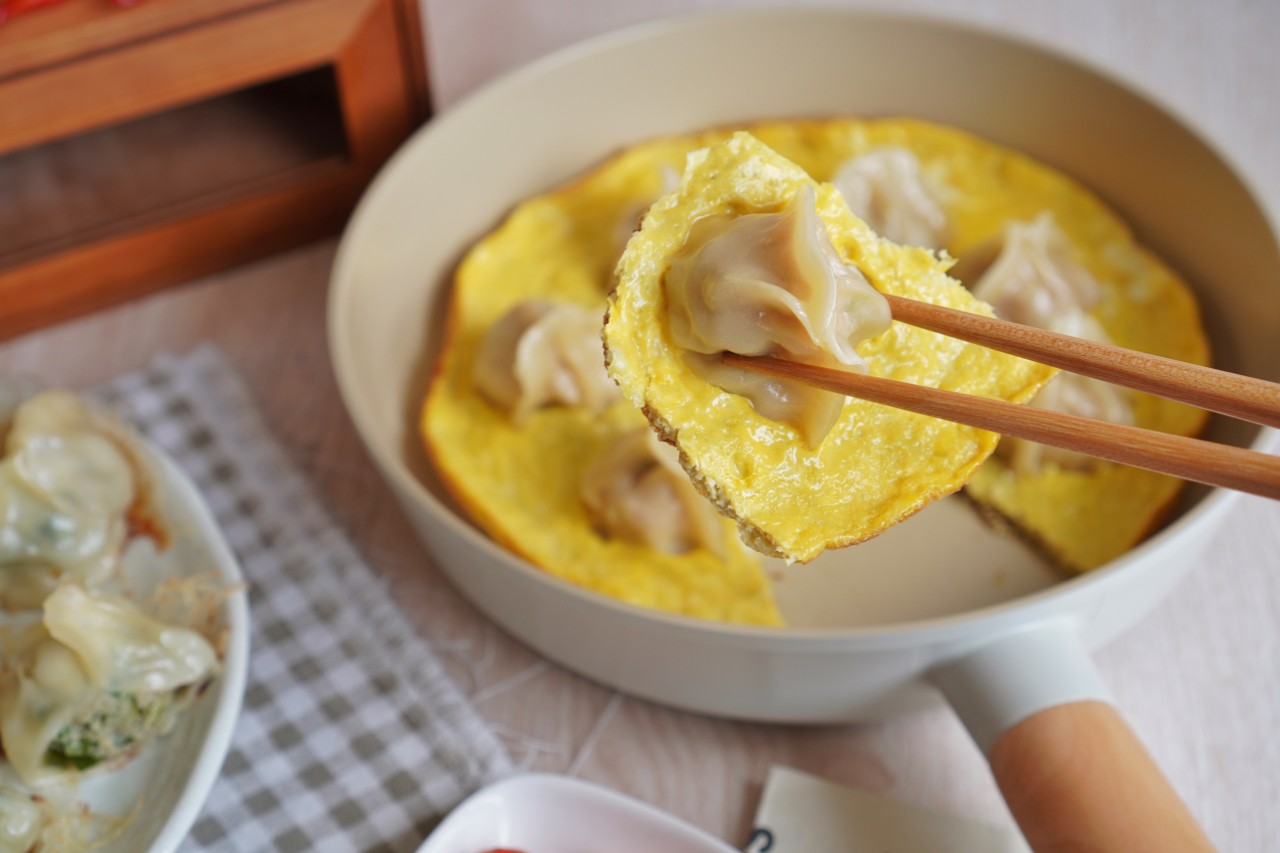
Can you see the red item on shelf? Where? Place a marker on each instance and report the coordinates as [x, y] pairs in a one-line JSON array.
[[13, 8]]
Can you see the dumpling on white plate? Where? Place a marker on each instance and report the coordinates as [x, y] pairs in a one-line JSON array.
[[68, 480], [39, 823], [95, 680]]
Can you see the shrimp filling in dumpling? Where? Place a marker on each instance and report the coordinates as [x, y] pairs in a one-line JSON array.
[[886, 189], [541, 353], [636, 491], [1035, 280], [772, 284]]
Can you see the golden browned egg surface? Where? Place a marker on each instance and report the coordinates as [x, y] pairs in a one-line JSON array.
[[520, 483]]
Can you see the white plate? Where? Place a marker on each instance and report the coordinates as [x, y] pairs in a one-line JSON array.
[[542, 813], [167, 785], [174, 777]]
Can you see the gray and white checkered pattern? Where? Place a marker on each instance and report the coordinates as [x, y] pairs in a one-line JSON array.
[[352, 736]]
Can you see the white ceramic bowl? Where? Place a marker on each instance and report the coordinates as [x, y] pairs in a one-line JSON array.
[[873, 629], [167, 785], [542, 812]]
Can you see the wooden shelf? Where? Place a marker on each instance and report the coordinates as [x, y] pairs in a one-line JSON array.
[[144, 146]]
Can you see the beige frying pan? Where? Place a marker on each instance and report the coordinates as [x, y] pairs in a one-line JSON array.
[[937, 607]]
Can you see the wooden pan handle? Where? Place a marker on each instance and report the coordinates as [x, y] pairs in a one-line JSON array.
[[1077, 779]]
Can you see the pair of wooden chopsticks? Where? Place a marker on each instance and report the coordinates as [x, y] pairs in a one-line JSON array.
[[1189, 458]]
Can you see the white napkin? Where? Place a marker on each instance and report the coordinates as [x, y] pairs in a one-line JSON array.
[[799, 813], [352, 735]]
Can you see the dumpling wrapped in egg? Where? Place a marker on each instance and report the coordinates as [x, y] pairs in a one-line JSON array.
[[771, 284], [521, 483], [636, 491], [886, 188], [1035, 280], [1081, 510], [795, 491], [543, 353], [94, 681]]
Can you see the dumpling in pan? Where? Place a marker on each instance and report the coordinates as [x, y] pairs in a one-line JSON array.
[[543, 353], [1036, 281], [636, 491], [794, 490], [886, 188]]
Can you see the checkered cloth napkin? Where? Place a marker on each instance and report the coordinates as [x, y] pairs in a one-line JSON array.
[[352, 736]]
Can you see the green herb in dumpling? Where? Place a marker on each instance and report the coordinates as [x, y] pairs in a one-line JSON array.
[[95, 680]]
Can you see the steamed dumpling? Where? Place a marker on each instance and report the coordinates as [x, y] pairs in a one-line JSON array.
[[772, 284], [95, 678], [1035, 280], [886, 189], [636, 491], [66, 485], [542, 353], [23, 821]]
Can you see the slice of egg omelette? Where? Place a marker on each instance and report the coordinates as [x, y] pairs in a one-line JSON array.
[[797, 493]]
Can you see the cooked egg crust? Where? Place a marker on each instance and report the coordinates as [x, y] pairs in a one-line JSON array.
[[878, 465]]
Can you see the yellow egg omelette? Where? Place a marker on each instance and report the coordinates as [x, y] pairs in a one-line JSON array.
[[519, 483]]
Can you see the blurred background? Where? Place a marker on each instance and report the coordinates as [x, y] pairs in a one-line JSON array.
[[1211, 61], [228, 130]]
